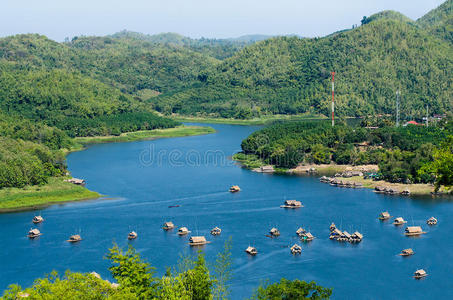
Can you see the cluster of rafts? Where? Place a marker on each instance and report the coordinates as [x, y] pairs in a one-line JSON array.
[[409, 231], [34, 232], [344, 236]]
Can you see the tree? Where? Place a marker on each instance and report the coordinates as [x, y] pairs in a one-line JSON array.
[[197, 281], [223, 272], [288, 290]]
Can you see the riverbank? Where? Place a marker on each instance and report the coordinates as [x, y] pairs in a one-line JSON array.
[[254, 121], [39, 196], [58, 191]]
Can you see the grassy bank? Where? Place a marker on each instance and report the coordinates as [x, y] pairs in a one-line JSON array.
[[255, 121], [179, 131], [33, 197]]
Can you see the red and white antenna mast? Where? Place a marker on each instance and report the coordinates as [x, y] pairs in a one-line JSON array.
[[333, 98]]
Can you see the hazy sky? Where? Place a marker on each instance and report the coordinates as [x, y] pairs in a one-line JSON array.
[[195, 18]]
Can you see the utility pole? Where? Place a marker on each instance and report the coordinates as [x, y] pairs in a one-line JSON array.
[[333, 98], [427, 115], [398, 93]]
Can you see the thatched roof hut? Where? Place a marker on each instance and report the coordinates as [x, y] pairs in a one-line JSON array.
[[300, 231], [251, 250], [296, 249], [431, 221], [274, 232], [216, 231], [33, 233], [332, 227], [399, 221], [74, 238], [38, 219], [307, 236], [420, 274], [407, 252], [235, 188], [356, 237], [292, 204], [413, 230], [197, 241], [384, 215], [76, 181], [132, 235], [168, 225], [183, 231]]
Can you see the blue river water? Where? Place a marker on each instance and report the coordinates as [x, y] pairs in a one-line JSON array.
[[142, 179]]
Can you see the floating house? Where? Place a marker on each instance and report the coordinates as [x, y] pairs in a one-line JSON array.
[[407, 252], [356, 237], [74, 238], [399, 221], [335, 234], [431, 221], [384, 215], [292, 204], [413, 231], [38, 219], [183, 231], [420, 274], [197, 241], [235, 189], [274, 232], [300, 231], [267, 169], [251, 250], [216, 231], [306, 237], [33, 233], [332, 227], [344, 237], [296, 249], [168, 225], [76, 181], [132, 235]]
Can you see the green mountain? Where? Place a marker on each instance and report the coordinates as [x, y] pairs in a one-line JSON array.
[[288, 75], [439, 21]]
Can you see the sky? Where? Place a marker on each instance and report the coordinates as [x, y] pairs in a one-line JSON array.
[[59, 19]]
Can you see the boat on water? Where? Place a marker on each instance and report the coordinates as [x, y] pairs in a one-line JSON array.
[[419, 274], [198, 241], [292, 204], [431, 221], [296, 249], [274, 232], [356, 237], [251, 250], [216, 231], [33, 233], [332, 227], [413, 231], [235, 189], [399, 221], [384, 216], [183, 231], [74, 238], [132, 235], [173, 206], [168, 226], [407, 252], [306, 237], [38, 219]]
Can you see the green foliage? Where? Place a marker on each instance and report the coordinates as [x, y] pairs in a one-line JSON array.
[[295, 289], [223, 272], [131, 272], [197, 281], [439, 21]]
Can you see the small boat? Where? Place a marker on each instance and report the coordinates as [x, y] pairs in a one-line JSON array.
[[235, 189], [407, 252], [197, 241], [420, 274], [168, 226], [74, 238], [183, 231], [413, 231], [132, 235], [307, 237], [216, 231], [172, 206], [300, 231], [332, 227], [251, 250], [274, 232], [356, 237], [431, 221], [384, 216], [38, 219], [292, 204], [296, 249], [33, 233], [399, 221]]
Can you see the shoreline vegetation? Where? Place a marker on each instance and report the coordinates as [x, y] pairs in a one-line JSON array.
[[56, 191], [264, 120]]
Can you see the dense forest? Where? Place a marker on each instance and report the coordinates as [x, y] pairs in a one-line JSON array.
[[402, 153], [136, 279]]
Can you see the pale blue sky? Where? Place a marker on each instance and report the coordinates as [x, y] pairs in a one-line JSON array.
[[195, 18]]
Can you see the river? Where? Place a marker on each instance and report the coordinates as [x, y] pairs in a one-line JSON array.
[[142, 179]]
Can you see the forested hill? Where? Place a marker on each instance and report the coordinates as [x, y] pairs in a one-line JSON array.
[[439, 21], [289, 75]]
